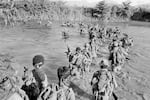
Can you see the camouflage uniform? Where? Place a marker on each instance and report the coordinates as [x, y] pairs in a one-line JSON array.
[[66, 93], [103, 83], [87, 57], [77, 60], [93, 48]]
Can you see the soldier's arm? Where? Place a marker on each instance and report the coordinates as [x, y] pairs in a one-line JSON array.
[[45, 81], [71, 95]]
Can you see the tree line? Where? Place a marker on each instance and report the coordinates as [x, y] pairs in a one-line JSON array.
[[122, 12], [58, 10]]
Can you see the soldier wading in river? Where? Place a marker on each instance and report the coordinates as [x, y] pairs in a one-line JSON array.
[[103, 82], [33, 87]]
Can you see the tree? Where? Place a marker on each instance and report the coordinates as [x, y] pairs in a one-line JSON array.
[[114, 10], [126, 10], [103, 14]]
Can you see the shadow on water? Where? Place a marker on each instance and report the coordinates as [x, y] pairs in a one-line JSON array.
[[81, 92]]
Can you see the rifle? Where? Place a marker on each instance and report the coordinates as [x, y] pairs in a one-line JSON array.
[[25, 70], [68, 51]]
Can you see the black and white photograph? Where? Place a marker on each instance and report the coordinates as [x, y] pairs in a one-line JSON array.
[[74, 49]]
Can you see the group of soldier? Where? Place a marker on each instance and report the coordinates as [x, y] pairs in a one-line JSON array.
[[33, 85], [35, 82], [116, 45]]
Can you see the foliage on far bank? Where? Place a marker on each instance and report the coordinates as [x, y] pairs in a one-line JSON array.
[[141, 14], [58, 11], [119, 12], [123, 11]]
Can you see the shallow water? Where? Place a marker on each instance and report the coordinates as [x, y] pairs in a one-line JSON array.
[[23, 42]]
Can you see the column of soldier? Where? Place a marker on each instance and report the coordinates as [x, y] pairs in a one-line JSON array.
[[103, 81], [36, 87]]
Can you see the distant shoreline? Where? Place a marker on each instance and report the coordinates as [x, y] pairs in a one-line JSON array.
[[132, 23]]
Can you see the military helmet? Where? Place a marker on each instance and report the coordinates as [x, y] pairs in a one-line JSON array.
[[78, 49], [104, 63], [116, 43], [38, 59]]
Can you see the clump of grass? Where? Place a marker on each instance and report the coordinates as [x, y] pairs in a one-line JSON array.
[[5, 66], [5, 60]]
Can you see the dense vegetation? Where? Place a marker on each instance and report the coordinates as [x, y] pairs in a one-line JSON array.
[[58, 10], [123, 12], [141, 14]]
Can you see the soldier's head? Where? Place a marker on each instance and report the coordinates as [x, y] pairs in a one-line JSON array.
[[120, 43], [104, 64], [78, 50], [116, 44], [117, 28], [38, 61]]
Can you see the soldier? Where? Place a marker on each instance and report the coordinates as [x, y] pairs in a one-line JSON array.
[[122, 54], [38, 79], [103, 82], [58, 92], [93, 48], [87, 50], [9, 84], [82, 31], [126, 42], [38, 74], [77, 59], [113, 48], [87, 57], [65, 93]]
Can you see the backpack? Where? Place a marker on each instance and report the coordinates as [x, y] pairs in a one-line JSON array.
[[103, 80], [77, 60], [65, 94], [6, 84], [32, 91]]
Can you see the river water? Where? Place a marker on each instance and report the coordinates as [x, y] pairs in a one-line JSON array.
[[23, 42]]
